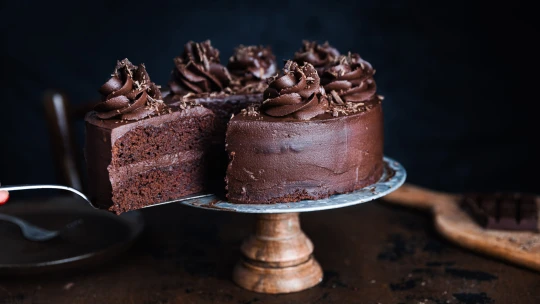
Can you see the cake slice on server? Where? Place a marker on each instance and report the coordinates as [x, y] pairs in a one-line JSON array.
[[140, 151]]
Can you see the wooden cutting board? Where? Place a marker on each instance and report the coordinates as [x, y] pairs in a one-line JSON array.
[[518, 247]]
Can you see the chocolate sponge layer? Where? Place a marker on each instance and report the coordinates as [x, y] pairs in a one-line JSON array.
[[157, 185]]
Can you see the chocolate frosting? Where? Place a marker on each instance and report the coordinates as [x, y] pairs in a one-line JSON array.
[[297, 93], [250, 66], [198, 70], [349, 79], [319, 55], [275, 161], [129, 94]]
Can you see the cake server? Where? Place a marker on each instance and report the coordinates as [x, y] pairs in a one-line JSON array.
[[59, 187]]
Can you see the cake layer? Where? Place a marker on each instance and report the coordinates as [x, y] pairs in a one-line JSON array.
[[274, 160], [119, 174], [119, 148], [154, 137], [149, 142], [156, 185]]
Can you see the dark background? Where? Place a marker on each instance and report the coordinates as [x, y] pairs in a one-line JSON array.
[[459, 80]]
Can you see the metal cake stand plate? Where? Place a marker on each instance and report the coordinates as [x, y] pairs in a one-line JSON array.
[[277, 256]]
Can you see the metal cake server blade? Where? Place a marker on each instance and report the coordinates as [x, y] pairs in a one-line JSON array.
[[59, 187]]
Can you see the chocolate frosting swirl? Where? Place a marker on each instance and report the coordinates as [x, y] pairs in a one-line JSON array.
[[256, 61], [320, 56], [249, 67], [297, 93], [198, 70], [350, 79], [129, 94]]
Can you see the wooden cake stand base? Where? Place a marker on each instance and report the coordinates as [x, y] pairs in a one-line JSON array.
[[277, 257]]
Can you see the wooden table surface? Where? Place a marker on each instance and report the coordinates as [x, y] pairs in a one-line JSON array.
[[371, 253]]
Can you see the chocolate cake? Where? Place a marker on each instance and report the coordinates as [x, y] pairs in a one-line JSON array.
[[199, 77], [140, 151], [304, 143], [503, 211]]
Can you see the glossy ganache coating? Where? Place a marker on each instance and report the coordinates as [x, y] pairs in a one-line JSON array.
[[319, 55], [199, 70], [129, 94], [349, 79], [297, 93], [250, 66], [276, 160]]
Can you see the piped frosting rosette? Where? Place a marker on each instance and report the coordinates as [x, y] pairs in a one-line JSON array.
[[319, 55], [349, 79], [129, 94], [199, 70], [250, 66], [296, 93]]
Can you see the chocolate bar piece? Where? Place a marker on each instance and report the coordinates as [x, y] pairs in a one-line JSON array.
[[503, 211]]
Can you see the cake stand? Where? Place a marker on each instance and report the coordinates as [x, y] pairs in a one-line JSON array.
[[277, 256]]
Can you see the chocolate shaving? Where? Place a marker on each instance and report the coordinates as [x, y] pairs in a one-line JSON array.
[[251, 110], [335, 95]]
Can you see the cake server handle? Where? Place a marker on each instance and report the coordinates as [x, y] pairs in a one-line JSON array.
[[37, 187]]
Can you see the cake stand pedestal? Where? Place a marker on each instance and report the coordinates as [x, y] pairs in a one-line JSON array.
[[278, 256]]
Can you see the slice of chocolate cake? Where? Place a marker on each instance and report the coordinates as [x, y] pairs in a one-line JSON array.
[[140, 151], [503, 211], [199, 77]]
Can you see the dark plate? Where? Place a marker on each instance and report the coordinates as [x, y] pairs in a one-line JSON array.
[[100, 237]]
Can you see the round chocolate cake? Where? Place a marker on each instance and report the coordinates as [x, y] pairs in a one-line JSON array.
[[311, 132], [313, 136]]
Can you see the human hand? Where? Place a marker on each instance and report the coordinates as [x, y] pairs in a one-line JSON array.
[[4, 196]]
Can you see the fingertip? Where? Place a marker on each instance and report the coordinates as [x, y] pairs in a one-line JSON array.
[[4, 196]]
